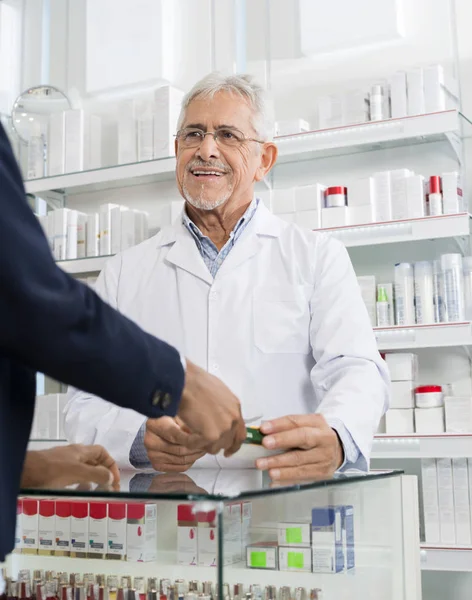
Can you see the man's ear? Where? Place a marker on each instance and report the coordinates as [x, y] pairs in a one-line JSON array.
[[268, 158]]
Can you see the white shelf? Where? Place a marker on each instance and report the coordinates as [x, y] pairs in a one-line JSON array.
[[409, 230], [442, 558], [441, 335], [83, 265], [446, 445], [304, 146], [370, 136]]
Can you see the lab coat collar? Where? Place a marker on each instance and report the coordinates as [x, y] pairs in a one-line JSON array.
[[185, 254]]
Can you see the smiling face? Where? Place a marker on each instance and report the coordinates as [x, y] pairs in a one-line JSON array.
[[210, 175]]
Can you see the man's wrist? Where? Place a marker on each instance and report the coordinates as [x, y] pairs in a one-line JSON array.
[[341, 457]]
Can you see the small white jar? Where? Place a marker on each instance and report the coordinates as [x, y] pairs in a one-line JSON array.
[[429, 396], [336, 196]]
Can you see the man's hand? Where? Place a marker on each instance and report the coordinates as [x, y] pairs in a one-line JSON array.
[[170, 446], [175, 482], [68, 465], [312, 449], [210, 409]]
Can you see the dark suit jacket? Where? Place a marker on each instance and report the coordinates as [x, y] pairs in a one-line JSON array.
[[51, 323]]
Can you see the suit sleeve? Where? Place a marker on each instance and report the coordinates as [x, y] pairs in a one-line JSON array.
[[56, 325]]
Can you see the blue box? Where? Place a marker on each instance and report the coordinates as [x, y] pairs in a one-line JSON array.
[[327, 539]]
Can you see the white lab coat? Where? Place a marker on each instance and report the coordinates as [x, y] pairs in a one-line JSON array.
[[283, 324]]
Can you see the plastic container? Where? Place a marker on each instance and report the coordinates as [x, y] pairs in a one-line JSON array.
[[404, 287], [429, 396], [336, 196], [437, 292], [467, 270], [383, 307], [424, 292], [435, 199], [453, 287], [376, 102]]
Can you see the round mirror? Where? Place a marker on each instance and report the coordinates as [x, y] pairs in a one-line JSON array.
[[32, 108]]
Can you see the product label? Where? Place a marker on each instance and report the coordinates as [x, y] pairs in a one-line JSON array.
[[293, 535], [259, 559], [295, 560]]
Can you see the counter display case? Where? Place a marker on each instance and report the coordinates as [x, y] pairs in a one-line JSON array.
[[220, 534]]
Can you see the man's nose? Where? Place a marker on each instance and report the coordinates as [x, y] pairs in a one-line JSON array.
[[208, 148]]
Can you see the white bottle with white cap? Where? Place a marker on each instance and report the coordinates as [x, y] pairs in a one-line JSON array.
[[424, 292], [404, 294], [453, 287]]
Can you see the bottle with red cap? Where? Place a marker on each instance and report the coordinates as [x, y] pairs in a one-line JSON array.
[[335, 196], [435, 199]]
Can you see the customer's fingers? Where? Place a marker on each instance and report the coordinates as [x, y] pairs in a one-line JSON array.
[[98, 456]]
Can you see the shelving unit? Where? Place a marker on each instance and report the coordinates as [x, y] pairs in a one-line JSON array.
[[83, 265], [446, 445], [440, 335], [442, 558]]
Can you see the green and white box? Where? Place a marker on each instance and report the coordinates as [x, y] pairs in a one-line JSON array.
[[263, 555], [297, 534], [295, 559]]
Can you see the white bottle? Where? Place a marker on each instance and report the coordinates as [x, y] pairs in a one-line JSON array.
[[453, 287], [424, 293], [438, 302], [435, 199], [467, 264], [376, 99], [383, 307], [36, 154], [404, 294]]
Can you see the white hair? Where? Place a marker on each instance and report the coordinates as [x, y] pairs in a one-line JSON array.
[[241, 85]]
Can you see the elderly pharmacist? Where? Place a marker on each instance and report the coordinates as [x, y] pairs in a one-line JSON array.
[[273, 310]]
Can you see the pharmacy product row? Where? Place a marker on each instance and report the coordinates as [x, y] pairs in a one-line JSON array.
[[385, 196], [422, 293], [73, 234]]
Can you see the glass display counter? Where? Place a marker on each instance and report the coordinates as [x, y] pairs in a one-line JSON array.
[[219, 534]]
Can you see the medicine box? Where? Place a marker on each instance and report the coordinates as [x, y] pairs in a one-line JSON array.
[[460, 479], [283, 201], [296, 534], [402, 366], [141, 532], [402, 394], [399, 421], [30, 526], [309, 219], [398, 95], [327, 540], [458, 414], [295, 559], [207, 539], [453, 199], [429, 420], [62, 528], [447, 527], [360, 192], [98, 530], [368, 289], [415, 92], [19, 526], [348, 537], [291, 127], [167, 103], [79, 529], [382, 196], [46, 527], [429, 486], [187, 542], [116, 531], [361, 215], [263, 555], [310, 198], [337, 216]]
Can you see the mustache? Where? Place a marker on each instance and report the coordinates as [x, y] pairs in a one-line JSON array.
[[208, 165]]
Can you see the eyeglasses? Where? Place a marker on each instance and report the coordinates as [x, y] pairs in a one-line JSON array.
[[192, 138]]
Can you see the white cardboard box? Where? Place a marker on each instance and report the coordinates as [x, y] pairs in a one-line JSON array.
[[127, 133], [141, 532], [116, 546], [56, 144], [461, 501], [403, 394], [415, 92], [458, 410], [295, 559], [361, 192], [98, 530], [429, 484], [398, 95], [453, 199], [382, 196], [446, 501], [361, 215], [399, 421], [415, 197], [46, 527], [283, 201], [309, 219], [429, 420], [81, 235], [72, 234], [368, 289], [296, 534], [93, 234], [402, 366], [337, 216], [30, 522], [105, 228], [62, 539], [291, 126], [167, 104], [59, 228], [310, 198]]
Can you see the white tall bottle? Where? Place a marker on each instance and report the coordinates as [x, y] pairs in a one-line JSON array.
[[404, 294], [453, 287], [424, 293]]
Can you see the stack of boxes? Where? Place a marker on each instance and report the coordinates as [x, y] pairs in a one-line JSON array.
[[81, 529], [197, 534], [403, 368], [326, 545]]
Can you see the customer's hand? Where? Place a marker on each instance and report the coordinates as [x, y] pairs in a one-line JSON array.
[[68, 465], [174, 482], [170, 446], [312, 449], [210, 409]]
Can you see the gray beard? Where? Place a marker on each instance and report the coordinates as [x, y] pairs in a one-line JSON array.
[[201, 203]]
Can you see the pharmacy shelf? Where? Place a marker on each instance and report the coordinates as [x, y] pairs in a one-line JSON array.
[[409, 230], [362, 137], [445, 445], [441, 335], [45, 444], [83, 265], [304, 146], [443, 558]]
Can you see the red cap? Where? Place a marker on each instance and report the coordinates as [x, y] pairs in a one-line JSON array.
[[339, 189], [435, 184], [63, 508], [428, 389], [98, 510], [46, 508], [30, 506], [19, 507], [383, 355], [206, 517], [185, 513], [79, 510], [117, 510], [136, 510]]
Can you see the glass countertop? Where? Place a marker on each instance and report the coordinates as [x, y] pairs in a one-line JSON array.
[[204, 484]]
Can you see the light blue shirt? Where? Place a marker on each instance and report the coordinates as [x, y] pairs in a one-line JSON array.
[[213, 259]]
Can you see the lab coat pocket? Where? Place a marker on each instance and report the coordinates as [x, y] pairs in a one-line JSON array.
[[282, 320]]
